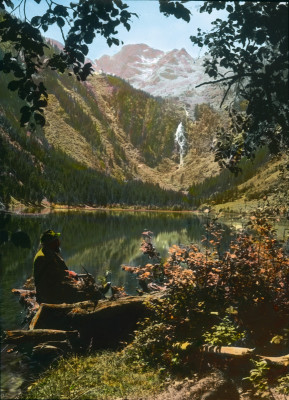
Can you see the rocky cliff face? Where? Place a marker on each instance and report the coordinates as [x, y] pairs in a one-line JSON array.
[[173, 74], [138, 136], [135, 62]]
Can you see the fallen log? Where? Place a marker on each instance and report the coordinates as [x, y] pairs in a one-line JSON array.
[[243, 353], [24, 292], [63, 345], [105, 326], [51, 349], [228, 350], [277, 361], [45, 350], [57, 316], [53, 316], [37, 336]]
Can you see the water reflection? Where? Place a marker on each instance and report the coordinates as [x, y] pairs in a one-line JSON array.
[[99, 241]]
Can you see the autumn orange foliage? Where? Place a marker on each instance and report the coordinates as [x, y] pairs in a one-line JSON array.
[[249, 281]]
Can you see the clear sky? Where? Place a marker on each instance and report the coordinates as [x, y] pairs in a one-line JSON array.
[[151, 28]]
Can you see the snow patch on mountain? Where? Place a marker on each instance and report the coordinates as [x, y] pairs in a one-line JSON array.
[[166, 74]]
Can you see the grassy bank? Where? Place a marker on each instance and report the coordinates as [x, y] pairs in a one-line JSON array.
[[106, 375]]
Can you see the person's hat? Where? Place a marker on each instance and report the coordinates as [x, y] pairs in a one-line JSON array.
[[49, 236]]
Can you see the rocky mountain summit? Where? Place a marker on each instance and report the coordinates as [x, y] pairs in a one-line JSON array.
[[167, 74]]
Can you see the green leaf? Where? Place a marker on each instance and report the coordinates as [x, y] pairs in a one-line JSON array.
[[229, 8], [39, 119], [42, 103], [84, 49], [260, 37], [35, 21], [60, 22], [88, 37], [9, 4], [61, 11], [26, 115], [185, 345], [127, 26], [277, 339], [13, 85]]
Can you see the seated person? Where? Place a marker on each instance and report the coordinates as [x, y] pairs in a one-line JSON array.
[[53, 281]]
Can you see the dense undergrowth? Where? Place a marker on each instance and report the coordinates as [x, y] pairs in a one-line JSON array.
[[236, 296]]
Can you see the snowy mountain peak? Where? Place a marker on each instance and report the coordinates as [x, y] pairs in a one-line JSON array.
[[168, 74], [130, 60]]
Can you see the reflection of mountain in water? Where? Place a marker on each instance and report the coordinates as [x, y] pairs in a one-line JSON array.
[[110, 254], [110, 240], [107, 255], [97, 240]]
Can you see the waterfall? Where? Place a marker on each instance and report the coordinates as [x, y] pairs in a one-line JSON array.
[[180, 139]]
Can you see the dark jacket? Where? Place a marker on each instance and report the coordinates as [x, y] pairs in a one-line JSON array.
[[50, 273]]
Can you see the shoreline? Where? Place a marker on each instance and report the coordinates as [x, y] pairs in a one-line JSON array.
[[236, 207], [67, 209], [48, 210]]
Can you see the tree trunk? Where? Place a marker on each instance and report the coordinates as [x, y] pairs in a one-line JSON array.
[[106, 325], [38, 336], [228, 350], [243, 353]]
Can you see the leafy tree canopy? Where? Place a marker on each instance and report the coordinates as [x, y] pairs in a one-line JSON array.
[[252, 45], [84, 18]]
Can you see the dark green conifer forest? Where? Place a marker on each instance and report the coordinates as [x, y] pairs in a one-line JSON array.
[[33, 170]]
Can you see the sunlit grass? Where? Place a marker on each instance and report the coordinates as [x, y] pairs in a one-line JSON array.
[[102, 376]]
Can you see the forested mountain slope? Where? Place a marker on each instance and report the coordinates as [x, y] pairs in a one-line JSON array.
[[126, 133], [103, 127], [75, 159], [102, 138]]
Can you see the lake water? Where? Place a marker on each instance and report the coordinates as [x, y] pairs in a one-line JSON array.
[[98, 240]]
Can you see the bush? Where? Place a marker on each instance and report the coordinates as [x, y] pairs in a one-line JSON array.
[[204, 282], [224, 334]]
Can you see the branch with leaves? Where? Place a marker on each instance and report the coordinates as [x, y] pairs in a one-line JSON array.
[[252, 44]]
